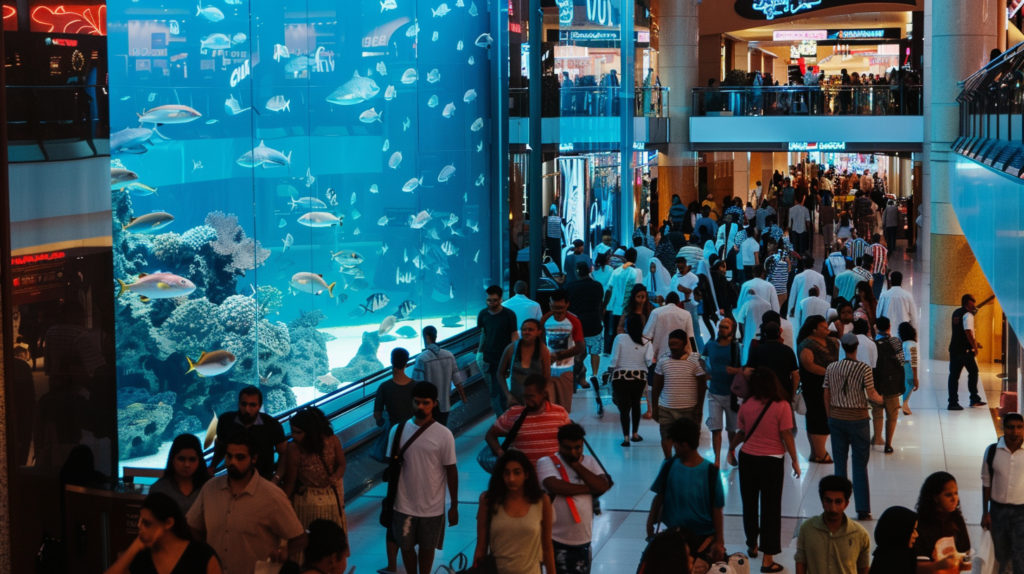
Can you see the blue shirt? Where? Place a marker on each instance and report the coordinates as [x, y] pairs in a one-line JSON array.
[[719, 358], [788, 196], [706, 222], [684, 496]]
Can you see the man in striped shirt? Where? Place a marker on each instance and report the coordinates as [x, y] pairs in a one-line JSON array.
[[880, 267], [848, 386], [538, 436], [678, 387]]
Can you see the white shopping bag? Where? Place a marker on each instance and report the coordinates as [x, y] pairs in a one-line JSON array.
[[267, 567], [984, 562]]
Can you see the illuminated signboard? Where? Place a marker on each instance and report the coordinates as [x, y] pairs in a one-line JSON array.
[[817, 146], [772, 9], [865, 34], [799, 35], [37, 258]]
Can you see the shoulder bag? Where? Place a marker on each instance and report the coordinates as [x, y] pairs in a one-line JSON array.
[[486, 457], [394, 471], [334, 488]]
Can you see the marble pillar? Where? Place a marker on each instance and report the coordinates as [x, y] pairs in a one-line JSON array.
[[740, 174], [709, 59], [741, 55], [677, 167]]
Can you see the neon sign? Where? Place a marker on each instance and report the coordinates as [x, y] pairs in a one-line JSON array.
[[600, 12], [38, 258], [817, 146], [90, 20], [772, 9]]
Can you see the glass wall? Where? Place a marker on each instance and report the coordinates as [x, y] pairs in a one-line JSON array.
[[297, 189]]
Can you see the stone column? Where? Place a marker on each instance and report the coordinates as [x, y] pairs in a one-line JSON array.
[[740, 174], [741, 55], [961, 34], [709, 59], [677, 168]]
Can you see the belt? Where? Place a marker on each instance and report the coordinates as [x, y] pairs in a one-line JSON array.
[[1008, 506]]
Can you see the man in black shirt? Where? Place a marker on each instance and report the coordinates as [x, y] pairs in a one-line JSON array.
[[498, 329], [771, 352], [963, 353], [586, 301], [265, 430]]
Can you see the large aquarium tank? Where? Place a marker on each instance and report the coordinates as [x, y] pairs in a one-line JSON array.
[[297, 188]]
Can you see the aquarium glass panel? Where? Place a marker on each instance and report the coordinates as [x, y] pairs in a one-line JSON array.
[[298, 188]]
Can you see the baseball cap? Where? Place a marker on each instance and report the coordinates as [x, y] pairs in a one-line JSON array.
[[850, 340]]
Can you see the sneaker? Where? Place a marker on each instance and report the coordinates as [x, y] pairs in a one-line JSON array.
[[978, 404], [955, 407]]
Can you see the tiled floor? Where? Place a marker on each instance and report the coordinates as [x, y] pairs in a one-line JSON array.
[[930, 440]]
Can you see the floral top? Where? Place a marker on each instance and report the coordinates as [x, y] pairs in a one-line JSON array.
[[314, 471], [824, 355]]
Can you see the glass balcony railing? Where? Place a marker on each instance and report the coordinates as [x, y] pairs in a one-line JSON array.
[[808, 101], [47, 123], [592, 101]]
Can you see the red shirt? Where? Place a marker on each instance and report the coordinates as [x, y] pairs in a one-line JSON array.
[[538, 436]]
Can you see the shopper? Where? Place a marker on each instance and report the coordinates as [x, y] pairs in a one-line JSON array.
[[830, 542], [1003, 493], [963, 353], [499, 327], [553, 235], [267, 433], [438, 367], [537, 436], [643, 254], [889, 381], [890, 224], [164, 539], [764, 426], [678, 388], [749, 252], [315, 477], [723, 359], [939, 517], [895, 535], [760, 287], [185, 473], [879, 264], [689, 494], [572, 480], [394, 397], [908, 335], [328, 549], [515, 520], [521, 304], [243, 516], [638, 304], [803, 282], [620, 285], [573, 262], [657, 281], [816, 351], [586, 301], [685, 282], [749, 316], [772, 353], [811, 305], [527, 356], [800, 228], [631, 358], [564, 338], [667, 553]]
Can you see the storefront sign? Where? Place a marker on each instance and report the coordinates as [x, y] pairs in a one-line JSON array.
[[799, 35], [596, 38], [817, 146], [593, 36], [772, 9], [865, 34], [806, 48]]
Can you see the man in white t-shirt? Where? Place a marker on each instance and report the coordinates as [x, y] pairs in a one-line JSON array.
[[428, 465], [867, 352], [665, 319], [685, 283], [573, 480], [749, 251], [520, 304], [563, 334]]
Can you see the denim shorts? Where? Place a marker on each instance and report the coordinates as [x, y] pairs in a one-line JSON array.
[[718, 406]]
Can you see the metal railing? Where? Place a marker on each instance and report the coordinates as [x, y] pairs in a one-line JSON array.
[[51, 120], [590, 101], [899, 100], [991, 101]]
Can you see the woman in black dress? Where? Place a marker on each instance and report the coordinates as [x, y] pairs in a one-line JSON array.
[[895, 536], [816, 351], [165, 544]]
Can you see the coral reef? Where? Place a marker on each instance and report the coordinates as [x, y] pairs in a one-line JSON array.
[[140, 428], [308, 352], [245, 252], [365, 362]]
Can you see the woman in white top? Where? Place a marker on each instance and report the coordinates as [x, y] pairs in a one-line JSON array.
[[602, 271], [843, 323], [631, 357], [658, 281], [908, 334]]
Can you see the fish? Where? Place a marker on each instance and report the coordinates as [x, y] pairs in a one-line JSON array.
[[329, 381], [405, 255], [211, 364], [131, 140], [299, 64], [480, 180], [459, 46], [125, 98], [432, 234], [421, 219], [470, 96], [332, 197], [341, 298], [439, 271], [449, 110], [352, 199], [354, 272], [471, 61], [354, 91], [405, 309], [465, 197], [356, 214], [387, 325], [476, 258], [216, 41], [406, 332], [453, 321], [347, 258], [309, 178], [459, 3], [480, 147], [382, 69], [449, 248], [410, 76], [170, 114], [440, 10], [310, 203], [387, 144], [211, 122], [387, 5], [278, 104], [484, 40], [370, 116], [396, 159], [120, 175], [389, 93], [310, 283], [451, 220], [232, 107], [418, 263], [374, 189], [235, 2], [383, 248], [320, 219], [412, 184], [434, 37], [477, 125], [447, 173], [432, 102], [375, 303], [474, 226], [472, 9], [263, 156], [157, 286], [403, 278], [139, 189], [356, 232], [239, 37], [281, 223], [288, 241], [152, 96], [149, 223], [211, 13], [413, 30], [384, 220], [433, 76], [406, 124], [358, 285], [211, 431]]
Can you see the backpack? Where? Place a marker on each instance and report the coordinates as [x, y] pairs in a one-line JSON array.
[[888, 372]]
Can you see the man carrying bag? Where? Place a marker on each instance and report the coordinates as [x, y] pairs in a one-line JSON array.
[[533, 428]]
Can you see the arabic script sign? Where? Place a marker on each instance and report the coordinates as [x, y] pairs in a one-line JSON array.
[[772, 9]]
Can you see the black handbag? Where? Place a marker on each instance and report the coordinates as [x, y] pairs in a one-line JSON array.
[[394, 471], [486, 457]]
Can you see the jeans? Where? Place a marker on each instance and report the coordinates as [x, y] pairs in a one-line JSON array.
[[908, 380], [855, 436], [890, 238], [499, 400], [761, 479], [878, 280], [1007, 533], [957, 363]]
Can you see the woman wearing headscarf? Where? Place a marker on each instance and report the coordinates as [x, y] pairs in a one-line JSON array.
[[658, 281], [895, 535]]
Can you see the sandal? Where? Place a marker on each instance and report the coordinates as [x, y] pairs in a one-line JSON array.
[[823, 460], [637, 438], [624, 443], [774, 568]]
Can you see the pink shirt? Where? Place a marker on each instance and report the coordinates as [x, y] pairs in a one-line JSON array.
[[766, 440]]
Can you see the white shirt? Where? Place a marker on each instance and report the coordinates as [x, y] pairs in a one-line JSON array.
[[762, 289], [898, 306], [748, 249], [688, 281], [643, 260], [749, 315], [802, 284], [798, 217], [565, 530], [867, 352], [809, 307], [422, 482], [1008, 483], [787, 334], [620, 284], [628, 356], [524, 308], [663, 321], [968, 322]]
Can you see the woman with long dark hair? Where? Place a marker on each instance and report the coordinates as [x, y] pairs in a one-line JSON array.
[[185, 474], [513, 523], [816, 351], [314, 477], [939, 516], [908, 334], [165, 543], [865, 305], [527, 356], [895, 535], [764, 427], [631, 358], [638, 304]]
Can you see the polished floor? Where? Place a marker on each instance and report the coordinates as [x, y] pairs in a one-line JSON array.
[[930, 440]]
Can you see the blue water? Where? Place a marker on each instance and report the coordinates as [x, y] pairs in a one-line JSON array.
[[321, 112]]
